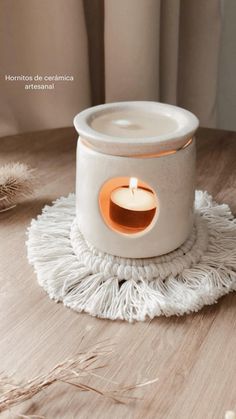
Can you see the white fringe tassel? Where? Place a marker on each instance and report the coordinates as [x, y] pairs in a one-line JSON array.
[[70, 270]]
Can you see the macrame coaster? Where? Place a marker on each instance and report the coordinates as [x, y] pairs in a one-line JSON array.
[[85, 279]]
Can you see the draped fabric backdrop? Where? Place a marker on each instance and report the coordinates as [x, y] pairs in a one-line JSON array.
[[162, 50]]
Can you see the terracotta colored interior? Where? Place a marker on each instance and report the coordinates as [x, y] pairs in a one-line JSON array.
[[104, 204], [150, 155]]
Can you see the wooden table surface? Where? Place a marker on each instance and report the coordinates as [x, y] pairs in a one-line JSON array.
[[194, 356]]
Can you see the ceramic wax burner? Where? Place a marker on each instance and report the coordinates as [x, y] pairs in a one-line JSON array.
[[135, 177]]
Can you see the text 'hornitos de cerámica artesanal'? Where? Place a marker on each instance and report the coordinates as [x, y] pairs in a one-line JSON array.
[[38, 81]]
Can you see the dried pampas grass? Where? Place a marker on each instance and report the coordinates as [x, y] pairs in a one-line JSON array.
[[17, 182], [71, 372]]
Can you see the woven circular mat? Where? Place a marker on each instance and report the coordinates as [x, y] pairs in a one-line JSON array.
[[84, 279]]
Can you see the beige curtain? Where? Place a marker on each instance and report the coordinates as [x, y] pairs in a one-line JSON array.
[[164, 50]]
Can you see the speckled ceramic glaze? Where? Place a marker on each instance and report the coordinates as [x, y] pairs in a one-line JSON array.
[[165, 161]]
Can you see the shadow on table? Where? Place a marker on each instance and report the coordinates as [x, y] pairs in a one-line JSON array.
[[25, 211]]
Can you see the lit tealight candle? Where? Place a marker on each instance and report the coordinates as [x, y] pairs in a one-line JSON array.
[[132, 206]]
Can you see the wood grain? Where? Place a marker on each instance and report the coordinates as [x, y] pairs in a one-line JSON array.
[[193, 356]]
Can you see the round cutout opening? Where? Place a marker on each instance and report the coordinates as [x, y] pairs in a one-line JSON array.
[[128, 205]]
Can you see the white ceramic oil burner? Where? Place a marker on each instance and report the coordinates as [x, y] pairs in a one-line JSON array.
[[135, 177]]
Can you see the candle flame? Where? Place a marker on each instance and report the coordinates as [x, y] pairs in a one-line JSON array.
[[133, 183]]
